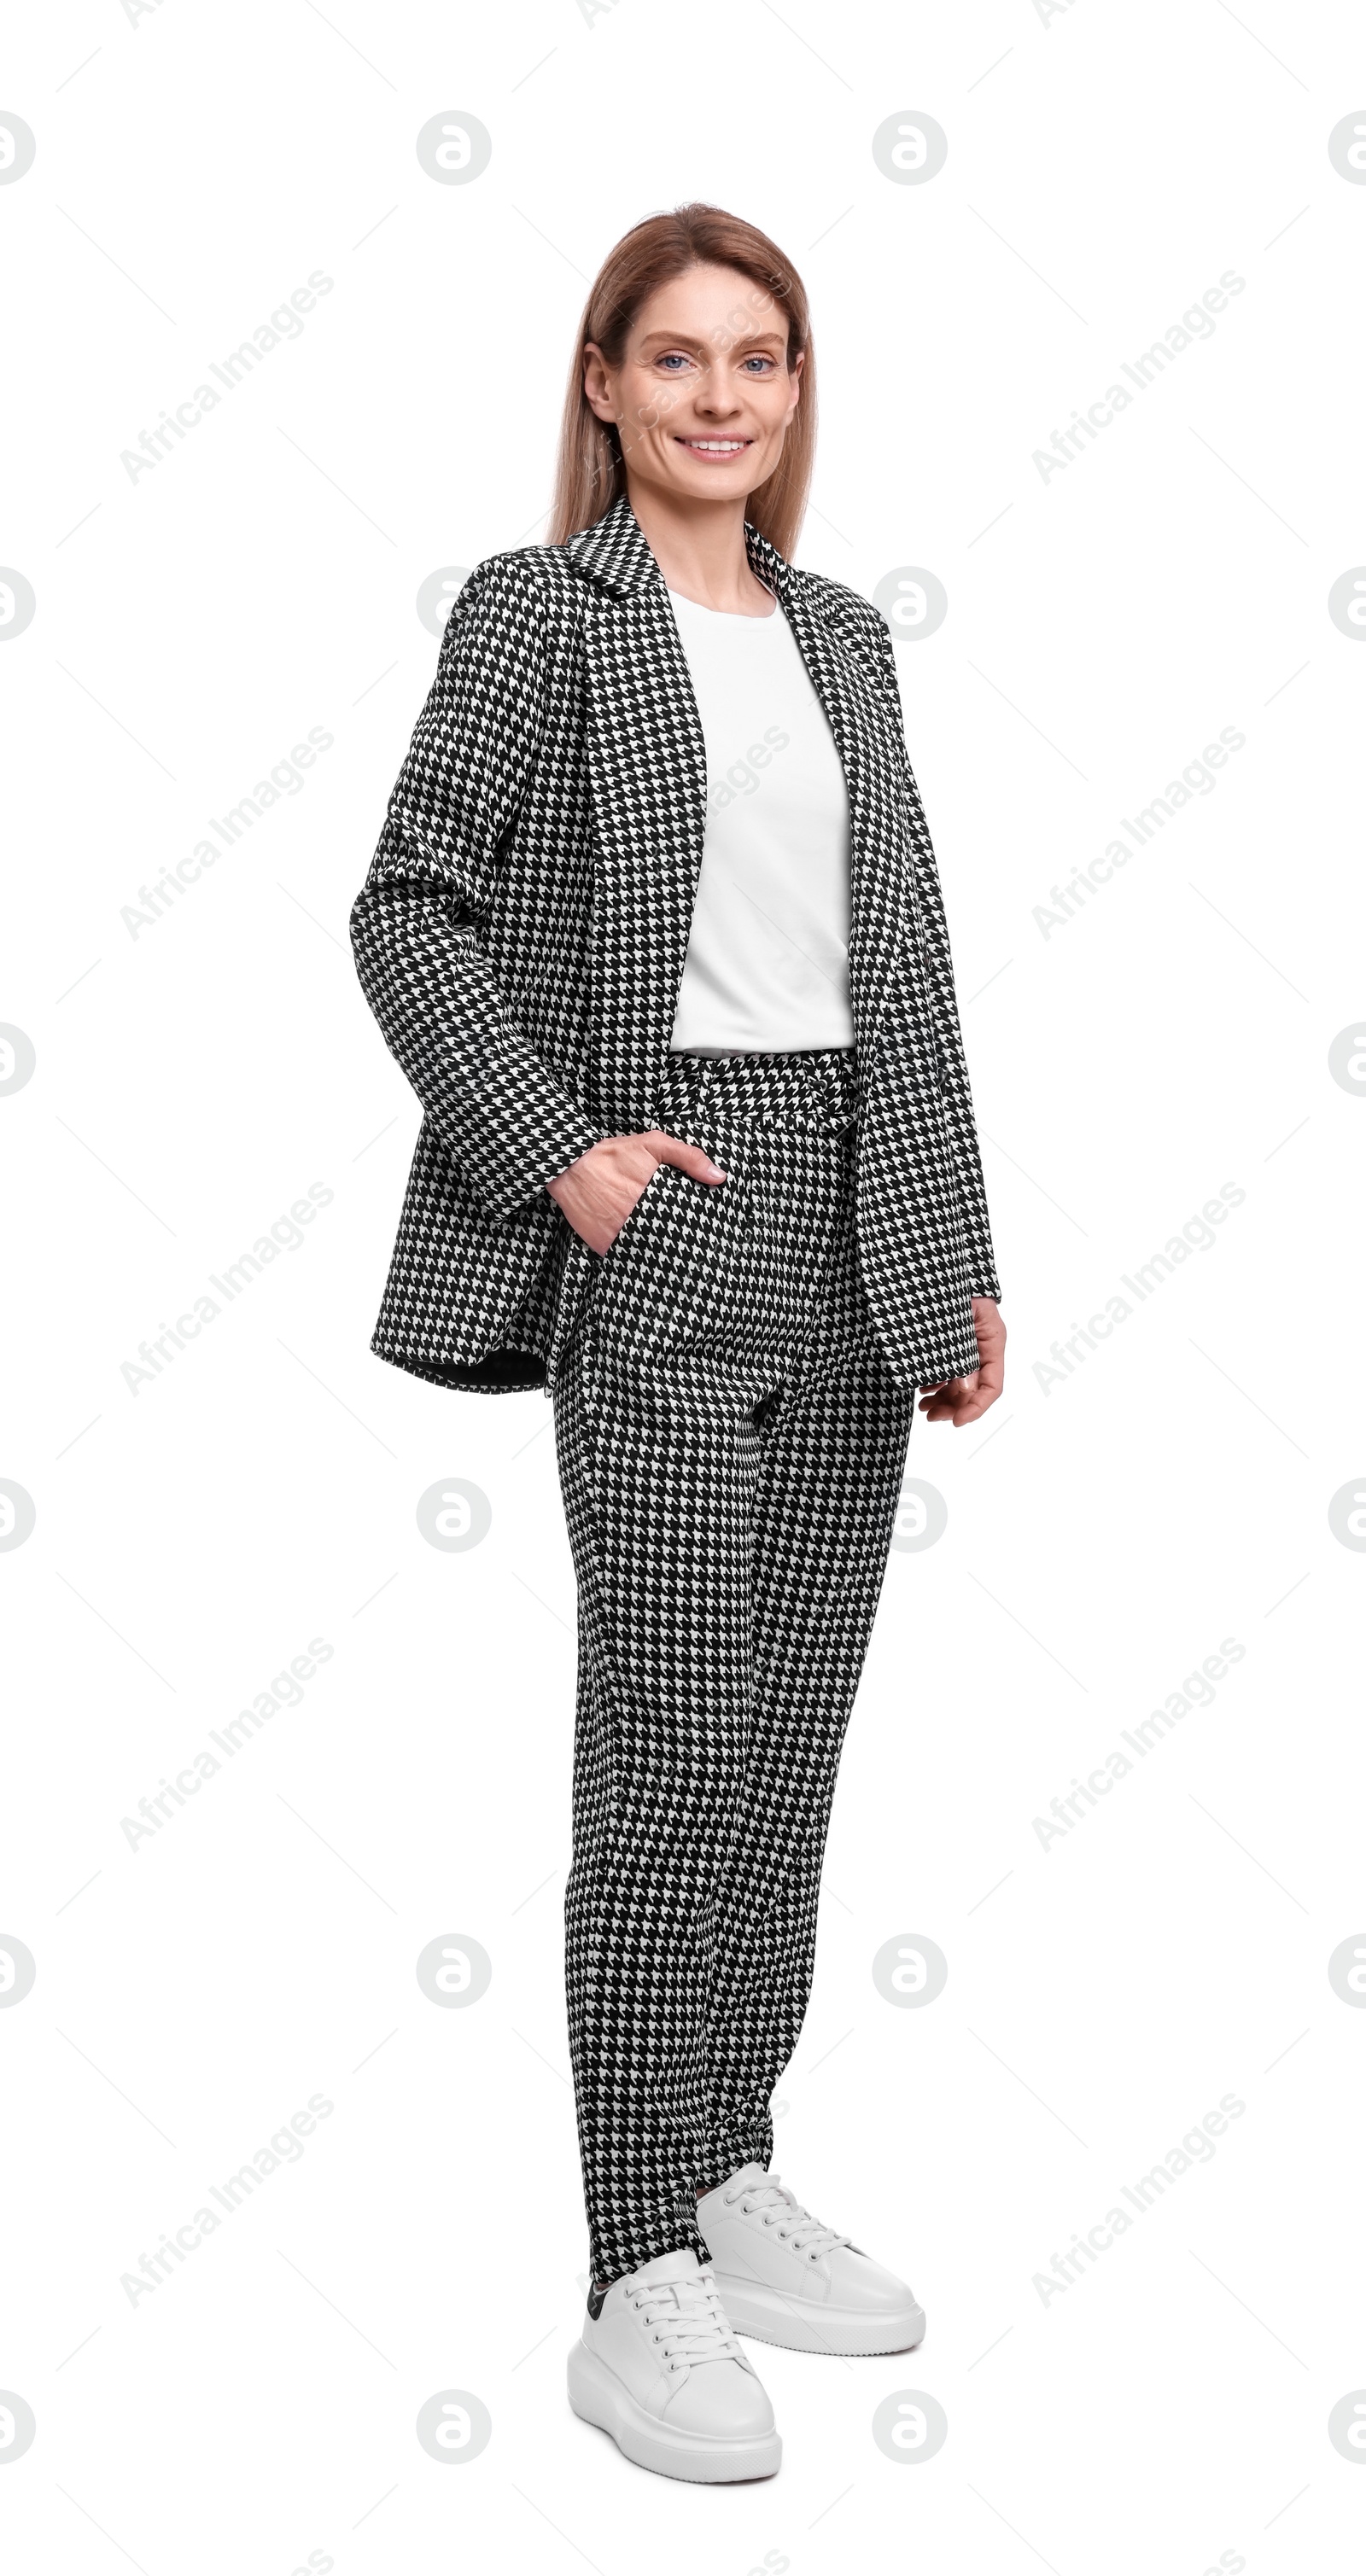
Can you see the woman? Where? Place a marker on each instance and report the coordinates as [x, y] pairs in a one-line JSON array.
[[654, 929]]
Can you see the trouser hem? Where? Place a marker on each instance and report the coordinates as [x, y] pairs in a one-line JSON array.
[[683, 2237]]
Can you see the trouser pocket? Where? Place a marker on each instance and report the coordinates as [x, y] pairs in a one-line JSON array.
[[672, 1277]]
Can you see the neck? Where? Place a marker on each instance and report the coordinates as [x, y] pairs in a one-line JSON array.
[[699, 546]]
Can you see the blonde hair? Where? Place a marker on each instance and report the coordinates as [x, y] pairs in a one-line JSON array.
[[590, 472]]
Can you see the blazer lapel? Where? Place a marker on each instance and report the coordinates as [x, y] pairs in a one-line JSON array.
[[647, 773], [872, 765]]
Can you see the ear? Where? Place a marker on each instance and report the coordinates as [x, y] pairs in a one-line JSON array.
[[595, 382]]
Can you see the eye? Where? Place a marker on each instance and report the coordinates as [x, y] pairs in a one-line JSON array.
[[673, 358], [758, 360]]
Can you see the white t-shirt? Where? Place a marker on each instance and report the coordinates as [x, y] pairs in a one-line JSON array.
[[767, 968]]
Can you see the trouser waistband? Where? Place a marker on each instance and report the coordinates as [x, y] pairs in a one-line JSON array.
[[814, 1089]]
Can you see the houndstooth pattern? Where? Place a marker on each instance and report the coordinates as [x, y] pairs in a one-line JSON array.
[[522, 932], [731, 1444]]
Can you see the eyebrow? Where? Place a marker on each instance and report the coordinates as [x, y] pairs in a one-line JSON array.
[[691, 340]]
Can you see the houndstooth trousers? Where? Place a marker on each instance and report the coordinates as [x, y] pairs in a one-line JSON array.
[[731, 1444]]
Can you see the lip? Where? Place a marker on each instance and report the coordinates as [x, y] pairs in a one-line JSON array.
[[714, 456]]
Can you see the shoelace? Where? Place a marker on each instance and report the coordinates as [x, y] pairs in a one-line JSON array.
[[806, 2234], [692, 2322]]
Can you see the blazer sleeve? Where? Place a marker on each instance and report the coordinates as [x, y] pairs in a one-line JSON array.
[[416, 927], [953, 1068]]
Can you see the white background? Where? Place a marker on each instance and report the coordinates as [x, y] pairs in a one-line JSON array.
[[256, 2411]]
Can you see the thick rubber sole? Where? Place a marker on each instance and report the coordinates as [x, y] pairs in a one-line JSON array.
[[596, 2394], [770, 2316]]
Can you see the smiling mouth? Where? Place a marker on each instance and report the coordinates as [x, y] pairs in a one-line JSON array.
[[719, 448]]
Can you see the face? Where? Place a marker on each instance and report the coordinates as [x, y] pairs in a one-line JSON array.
[[703, 395]]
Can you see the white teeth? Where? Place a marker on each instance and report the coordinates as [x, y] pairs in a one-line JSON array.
[[718, 446]]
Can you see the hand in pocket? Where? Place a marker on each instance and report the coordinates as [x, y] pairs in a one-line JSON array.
[[598, 1192]]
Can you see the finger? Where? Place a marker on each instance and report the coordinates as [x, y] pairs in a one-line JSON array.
[[979, 1399], [954, 1389], [945, 1402], [687, 1158]]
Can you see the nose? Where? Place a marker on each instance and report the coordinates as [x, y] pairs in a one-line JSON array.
[[716, 397]]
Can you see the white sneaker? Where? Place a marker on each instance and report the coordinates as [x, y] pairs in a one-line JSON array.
[[659, 2369], [785, 2278]]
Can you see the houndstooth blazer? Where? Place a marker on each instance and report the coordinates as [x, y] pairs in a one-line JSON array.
[[521, 937]]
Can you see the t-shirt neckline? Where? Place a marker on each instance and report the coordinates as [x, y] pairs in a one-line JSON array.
[[737, 615]]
